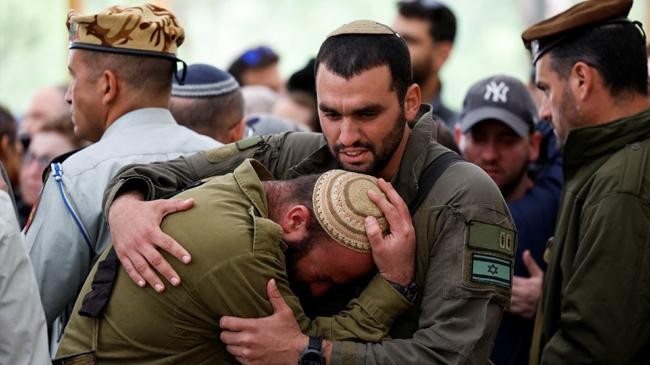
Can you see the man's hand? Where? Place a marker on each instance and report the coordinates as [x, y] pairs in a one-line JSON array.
[[394, 253], [275, 339], [136, 234], [526, 292]]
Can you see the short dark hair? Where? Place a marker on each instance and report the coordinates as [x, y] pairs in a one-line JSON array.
[[141, 73], [7, 124], [440, 17], [616, 50], [349, 55], [217, 114], [252, 59]]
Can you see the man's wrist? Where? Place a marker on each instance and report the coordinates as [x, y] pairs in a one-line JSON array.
[[410, 291], [312, 353]]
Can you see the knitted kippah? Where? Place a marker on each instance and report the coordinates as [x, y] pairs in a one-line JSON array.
[[341, 205], [203, 81]]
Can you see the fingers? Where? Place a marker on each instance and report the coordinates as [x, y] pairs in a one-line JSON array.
[[141, 264], [175, 205], [373, 232], [131, 271], [533, 269], [394, 198], [236, 324]]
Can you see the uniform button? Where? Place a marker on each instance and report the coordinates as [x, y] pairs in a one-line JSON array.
[[635, 146]]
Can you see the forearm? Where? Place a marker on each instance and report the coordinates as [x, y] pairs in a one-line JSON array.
[[367, 318]]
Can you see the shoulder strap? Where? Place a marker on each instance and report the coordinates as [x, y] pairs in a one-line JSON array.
[[430, 175]]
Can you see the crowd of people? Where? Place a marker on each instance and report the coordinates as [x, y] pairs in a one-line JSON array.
[[176, 213]]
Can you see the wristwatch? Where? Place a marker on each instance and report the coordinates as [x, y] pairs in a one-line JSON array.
[[313, 354], [410, 292]]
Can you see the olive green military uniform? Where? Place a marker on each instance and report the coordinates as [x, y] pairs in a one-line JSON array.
[[596, 301], [464, 233], [236, 249]]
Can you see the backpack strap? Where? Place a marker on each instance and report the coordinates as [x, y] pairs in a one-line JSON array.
[[430, 175]]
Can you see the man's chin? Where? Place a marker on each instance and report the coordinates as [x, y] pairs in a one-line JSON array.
[[360, 168]]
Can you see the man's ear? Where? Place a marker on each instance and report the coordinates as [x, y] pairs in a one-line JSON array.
[[295, 222], [582, 79], [237, 131], [108, 86], [412, 100], [535, 142]]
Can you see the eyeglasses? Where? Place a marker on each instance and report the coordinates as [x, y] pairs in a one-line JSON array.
[[43, 160], [254, 57]]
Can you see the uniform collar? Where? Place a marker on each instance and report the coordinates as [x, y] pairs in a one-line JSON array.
[[415, 154], [586, 144], [249, 176], [139, 118]]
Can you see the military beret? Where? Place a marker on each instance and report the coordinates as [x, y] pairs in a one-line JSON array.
[[341, 205], [144, 30], [362, 27], [541, 37]]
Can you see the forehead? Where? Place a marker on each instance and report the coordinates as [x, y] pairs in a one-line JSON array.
[[492, 126], [412, 27], [370, 86]]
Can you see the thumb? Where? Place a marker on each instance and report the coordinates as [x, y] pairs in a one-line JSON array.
[[531, 265], [275, 297]]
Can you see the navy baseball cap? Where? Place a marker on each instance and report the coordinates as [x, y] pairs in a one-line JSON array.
[[502, 98]]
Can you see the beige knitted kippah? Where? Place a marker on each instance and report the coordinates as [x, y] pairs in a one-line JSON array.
[[362, 27], [145, 30], [341, 205]]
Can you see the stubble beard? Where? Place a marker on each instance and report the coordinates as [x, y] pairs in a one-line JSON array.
[[381, 154]]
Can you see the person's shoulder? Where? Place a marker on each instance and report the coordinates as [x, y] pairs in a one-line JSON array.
[[627, 171], [467, 179]]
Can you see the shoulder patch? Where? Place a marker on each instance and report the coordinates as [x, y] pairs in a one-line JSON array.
[[489, 259], [491, 270], [484, 236]]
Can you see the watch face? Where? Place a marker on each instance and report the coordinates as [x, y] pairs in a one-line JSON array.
[[311, 357]]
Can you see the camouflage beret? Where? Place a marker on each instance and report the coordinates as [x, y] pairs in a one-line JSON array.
[[144, 30], [362, 27], [341, 205], [541, 37]]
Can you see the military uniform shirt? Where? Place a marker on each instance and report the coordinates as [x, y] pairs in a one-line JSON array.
[[464, 232], [236, 250]]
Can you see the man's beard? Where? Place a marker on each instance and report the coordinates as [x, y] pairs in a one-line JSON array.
[[510, 186], [382, 154]]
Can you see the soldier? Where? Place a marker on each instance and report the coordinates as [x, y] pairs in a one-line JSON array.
[[244, 229], [121, 82], [372, 122], [590, 62]]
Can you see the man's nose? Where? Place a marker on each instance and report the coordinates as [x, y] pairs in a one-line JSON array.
[[319, 289], [545, 111], [489, 152], [349, 133]]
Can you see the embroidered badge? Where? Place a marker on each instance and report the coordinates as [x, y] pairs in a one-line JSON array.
[[491, 270]]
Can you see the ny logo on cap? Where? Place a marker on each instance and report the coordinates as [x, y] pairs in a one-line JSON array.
[[498, 92]]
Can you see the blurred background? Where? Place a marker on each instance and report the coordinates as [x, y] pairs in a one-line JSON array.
[[33, 37]]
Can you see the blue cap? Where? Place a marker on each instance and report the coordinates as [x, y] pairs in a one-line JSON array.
[[204, 81]]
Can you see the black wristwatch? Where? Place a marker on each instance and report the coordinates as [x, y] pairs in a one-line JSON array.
[[313, 354], [410, 292]]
